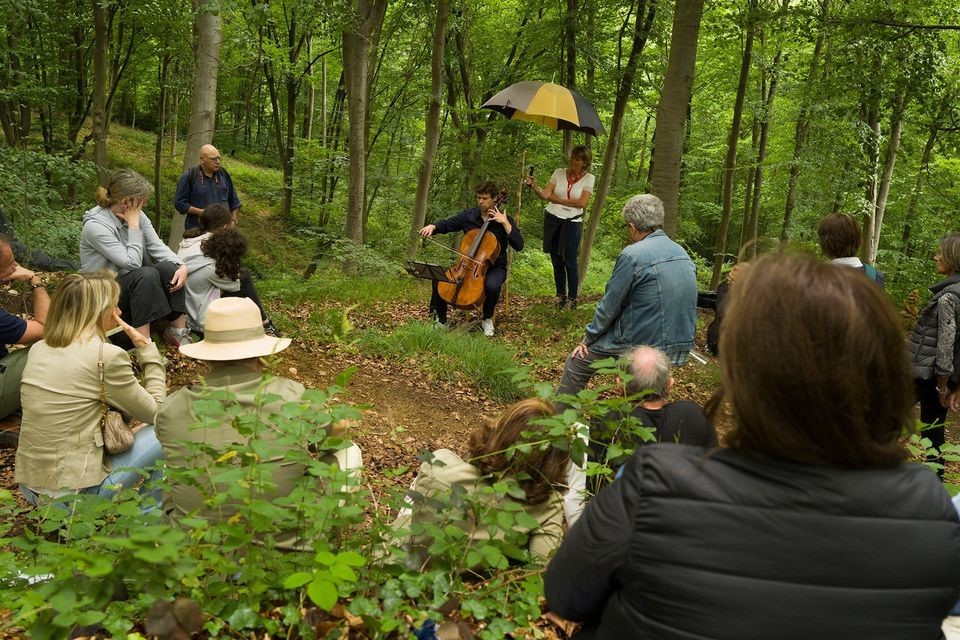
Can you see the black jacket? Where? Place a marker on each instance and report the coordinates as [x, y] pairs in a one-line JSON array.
[[687, 545], [471, 219]]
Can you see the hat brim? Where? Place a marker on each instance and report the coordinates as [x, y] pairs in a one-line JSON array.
[[217, 351]]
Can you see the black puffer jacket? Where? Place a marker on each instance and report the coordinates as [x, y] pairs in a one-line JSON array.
[[690, 546], [929, 356]]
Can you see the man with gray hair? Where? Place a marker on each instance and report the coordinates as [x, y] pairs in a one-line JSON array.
[[682, 422], [651, 298]]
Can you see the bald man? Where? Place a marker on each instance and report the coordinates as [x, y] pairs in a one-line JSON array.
[[203, 185]]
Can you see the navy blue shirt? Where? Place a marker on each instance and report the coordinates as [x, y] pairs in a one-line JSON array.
[[471, 219], [12, 329], [205, 190]]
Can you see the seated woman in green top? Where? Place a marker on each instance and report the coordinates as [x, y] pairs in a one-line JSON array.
[[505, 493]]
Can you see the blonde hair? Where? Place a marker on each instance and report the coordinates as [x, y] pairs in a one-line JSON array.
[[77, 306], [125, 183]]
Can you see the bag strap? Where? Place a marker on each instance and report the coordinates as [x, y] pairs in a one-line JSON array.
[[103, 391]]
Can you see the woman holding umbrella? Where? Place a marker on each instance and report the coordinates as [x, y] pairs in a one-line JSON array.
[[567, 195]]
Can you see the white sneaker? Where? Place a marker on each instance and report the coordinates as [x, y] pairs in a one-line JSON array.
[[487, 326]]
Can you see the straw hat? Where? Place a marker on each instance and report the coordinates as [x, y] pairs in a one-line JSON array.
[[233, 330]]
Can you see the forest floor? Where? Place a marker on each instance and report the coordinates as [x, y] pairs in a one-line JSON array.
[[405, 409]]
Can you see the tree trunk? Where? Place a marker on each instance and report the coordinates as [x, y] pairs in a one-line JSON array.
[[307, 132], [672, 109], [643, 23], [99, 130], [745, 238], [162, 78], [432, 127], [356, 61], [890, 159], [203, 97], [922, 172], [800, 135], [872, 145], [730, 162]]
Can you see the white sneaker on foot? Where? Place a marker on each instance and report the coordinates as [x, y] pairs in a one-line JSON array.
[[487, 326]]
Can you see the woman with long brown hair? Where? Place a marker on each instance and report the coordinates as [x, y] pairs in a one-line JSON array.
[[497, 452], [812, 522]]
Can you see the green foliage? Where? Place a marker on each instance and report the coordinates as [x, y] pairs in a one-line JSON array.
[[33, 187], [84, 560], [451, 355]]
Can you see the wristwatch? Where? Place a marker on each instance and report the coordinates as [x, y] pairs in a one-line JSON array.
[[36, 282]]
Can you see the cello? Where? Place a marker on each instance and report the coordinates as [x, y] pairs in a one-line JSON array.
[[478, 251]]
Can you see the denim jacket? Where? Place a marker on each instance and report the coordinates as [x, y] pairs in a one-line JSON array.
[[651, 299]]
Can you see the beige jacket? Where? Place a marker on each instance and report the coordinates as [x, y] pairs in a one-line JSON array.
[[435, 481], [61, 443], [179, 433]]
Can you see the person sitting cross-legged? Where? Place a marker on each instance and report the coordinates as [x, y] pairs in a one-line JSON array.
[[234, 343], [811, 522]]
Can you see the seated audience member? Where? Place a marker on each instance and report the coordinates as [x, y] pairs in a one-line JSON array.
[[720, 308], [213, 273], [61, 441], [538, 472], [119, 237], [839, 236], [811, 514], [680, 422], [214, 218], [651, 298], [16, 330], [233, 345]]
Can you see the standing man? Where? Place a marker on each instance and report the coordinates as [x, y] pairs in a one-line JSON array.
[[839, 236], [203, 185], [502, 226], [651, 298], [16, 330]]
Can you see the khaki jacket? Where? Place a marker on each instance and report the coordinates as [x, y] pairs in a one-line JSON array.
[[61, 442], [177, 429], [435, 481]]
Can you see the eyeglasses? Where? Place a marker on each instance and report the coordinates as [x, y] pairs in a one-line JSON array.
[[214, 159]]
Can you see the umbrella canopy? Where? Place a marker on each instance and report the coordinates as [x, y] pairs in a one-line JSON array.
[[549, 104]]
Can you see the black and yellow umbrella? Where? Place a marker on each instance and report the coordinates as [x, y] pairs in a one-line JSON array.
[[548, 104]]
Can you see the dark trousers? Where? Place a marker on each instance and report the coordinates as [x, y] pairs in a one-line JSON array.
[[191, 222], [931, 412], [496, 276], [247, 290], [145, 295], [561, 239]]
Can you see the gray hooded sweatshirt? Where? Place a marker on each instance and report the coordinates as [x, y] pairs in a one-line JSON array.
[[203, 283], [107, 243]]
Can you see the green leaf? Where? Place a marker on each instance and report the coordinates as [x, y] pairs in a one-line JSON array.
[[297, 580], [343, 572], [323, 593], [325, 558], [351, 559]]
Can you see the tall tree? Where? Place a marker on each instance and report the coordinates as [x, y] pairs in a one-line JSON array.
[[207, 36], [432, 126], [672, 109], [99, 129], [645, 13], [365, 25], [730, 162]]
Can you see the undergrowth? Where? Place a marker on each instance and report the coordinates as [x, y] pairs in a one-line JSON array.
[[450, 355]]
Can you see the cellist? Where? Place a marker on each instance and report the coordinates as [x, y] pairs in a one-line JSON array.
[[506, 232]]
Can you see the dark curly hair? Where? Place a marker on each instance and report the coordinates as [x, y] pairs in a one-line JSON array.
[[214, 216], [543, 470], [227, 246]]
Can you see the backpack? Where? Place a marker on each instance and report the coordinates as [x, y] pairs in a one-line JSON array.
[[873, 274]]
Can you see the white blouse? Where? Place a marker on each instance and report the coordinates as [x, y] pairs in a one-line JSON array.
[[571, 191]]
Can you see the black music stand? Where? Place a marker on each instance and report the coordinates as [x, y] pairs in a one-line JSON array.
[[427, 271]]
